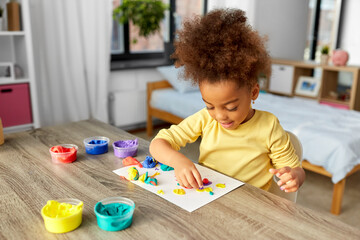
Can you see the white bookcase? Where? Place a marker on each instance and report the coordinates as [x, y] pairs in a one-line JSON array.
[[16, 49]]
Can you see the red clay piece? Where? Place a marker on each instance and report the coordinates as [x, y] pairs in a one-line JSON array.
[[131, 161]]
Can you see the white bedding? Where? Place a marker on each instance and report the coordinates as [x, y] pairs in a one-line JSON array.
[[330, 136]]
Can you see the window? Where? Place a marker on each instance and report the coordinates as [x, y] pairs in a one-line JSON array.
[[324, 20], [126, 53]]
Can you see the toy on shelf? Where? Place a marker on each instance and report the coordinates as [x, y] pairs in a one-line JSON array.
[[339, 57]]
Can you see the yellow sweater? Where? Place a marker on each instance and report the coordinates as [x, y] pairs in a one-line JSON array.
[[246, 153]]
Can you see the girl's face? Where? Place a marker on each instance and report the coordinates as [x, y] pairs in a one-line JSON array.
[[227, 103]]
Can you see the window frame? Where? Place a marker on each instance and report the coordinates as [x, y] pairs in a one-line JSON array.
[[128, 60], [315, 29]]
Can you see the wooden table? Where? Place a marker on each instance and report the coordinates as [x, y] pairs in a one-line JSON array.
[[28, 179]]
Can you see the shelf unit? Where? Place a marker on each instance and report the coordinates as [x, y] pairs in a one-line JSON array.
[[329, 81], [16, 47]]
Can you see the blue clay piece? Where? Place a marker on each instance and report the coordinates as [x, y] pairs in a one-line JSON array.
[[149, 162], [97, 147]]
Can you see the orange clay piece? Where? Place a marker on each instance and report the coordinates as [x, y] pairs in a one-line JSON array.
[[131, 161], [155, 174]]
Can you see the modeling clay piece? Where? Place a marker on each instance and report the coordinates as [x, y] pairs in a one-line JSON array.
[[148, 180], [55, 209], [114, 209], [131, 161], [160, 192], [151, 181], [220, 185], [143, 177], [149, 162], [133, 173], [166, 167], [179, 191], [207, 189], [155, 174], [206, 182]]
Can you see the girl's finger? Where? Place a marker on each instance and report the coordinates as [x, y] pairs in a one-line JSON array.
[[198, 178]]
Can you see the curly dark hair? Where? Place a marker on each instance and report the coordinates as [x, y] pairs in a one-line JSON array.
[[221, 46]]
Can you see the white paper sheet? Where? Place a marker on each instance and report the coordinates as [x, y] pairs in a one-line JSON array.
[[192, 199]]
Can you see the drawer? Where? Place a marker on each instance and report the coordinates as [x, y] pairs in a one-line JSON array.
[[15, 107], [281, 80]]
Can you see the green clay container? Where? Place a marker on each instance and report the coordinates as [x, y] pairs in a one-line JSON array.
[[114, 223]]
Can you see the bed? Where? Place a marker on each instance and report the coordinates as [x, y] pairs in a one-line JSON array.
[[330, 136]]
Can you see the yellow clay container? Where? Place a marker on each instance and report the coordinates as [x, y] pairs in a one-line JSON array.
[[63, 215]]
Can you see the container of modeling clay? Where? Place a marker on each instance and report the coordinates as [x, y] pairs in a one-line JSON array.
[[96, 145], [63, 153], [125, 148], [63, 215], [114, 213]]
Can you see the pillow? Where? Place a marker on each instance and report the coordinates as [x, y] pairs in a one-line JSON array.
[[173, 74]]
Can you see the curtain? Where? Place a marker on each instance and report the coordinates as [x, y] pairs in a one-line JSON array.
[[71, 41]]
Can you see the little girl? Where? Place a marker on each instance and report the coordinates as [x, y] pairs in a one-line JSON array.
[[223, 55]]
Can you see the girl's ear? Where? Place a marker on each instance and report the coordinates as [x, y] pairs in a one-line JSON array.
[[255, 91]]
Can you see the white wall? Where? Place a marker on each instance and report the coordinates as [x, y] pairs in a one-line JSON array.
[[350, 31], [284, 22], [246, 5]]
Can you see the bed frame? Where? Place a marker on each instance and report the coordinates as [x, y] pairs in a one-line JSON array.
[[338, 189]]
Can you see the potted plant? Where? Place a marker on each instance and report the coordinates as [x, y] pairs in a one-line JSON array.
[[145, 14], [1, 17], [324, 58]]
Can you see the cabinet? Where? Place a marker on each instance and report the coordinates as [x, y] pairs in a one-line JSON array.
[[18, 75], [280, 75], [329, 81]]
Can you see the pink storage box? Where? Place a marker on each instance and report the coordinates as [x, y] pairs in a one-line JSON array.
[[15, 107], [337, 105]]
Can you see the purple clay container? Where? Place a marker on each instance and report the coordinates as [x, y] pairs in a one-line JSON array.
[[125, 148]]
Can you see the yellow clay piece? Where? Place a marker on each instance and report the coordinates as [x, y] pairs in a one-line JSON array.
[[220, 185], [160, 192], [133, 173], [207, 189], [142, 178], [54, 209], [179, 191]]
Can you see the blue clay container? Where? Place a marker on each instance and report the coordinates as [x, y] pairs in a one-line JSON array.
[[96, 145]]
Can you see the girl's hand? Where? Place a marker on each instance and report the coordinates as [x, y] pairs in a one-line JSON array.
[[290, 178], [187, 175]]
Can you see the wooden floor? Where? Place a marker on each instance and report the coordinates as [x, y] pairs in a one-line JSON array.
[[316, 192]]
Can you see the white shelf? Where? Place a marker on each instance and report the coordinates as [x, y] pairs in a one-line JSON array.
[[18, 128], [12, 33], [16, 48], [5, 81]]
